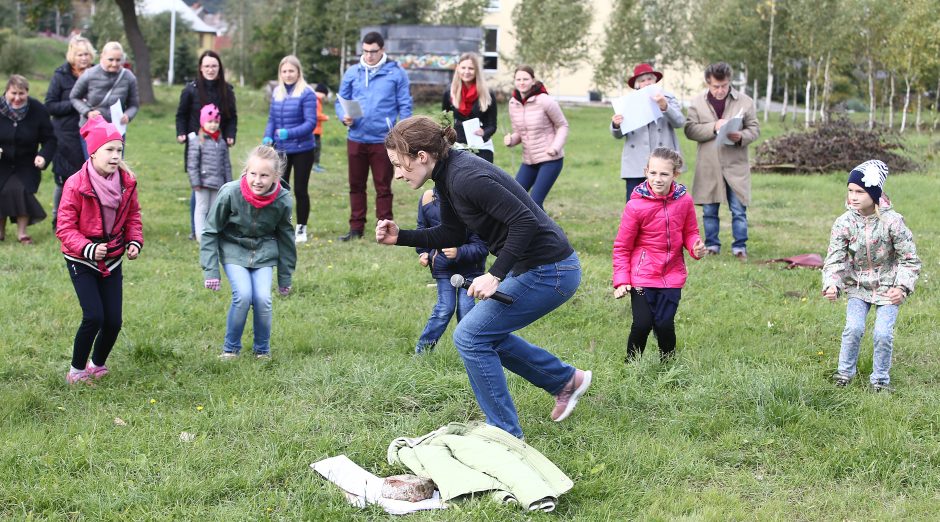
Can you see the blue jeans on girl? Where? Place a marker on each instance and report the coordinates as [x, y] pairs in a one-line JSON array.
[[542, 176], [449, 299], [885, 317], [485, 340], [251, 288]]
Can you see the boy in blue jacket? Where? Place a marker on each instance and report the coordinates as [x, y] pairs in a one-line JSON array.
[[467, 260], [381, 88]]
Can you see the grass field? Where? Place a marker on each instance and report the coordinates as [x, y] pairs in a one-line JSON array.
[[743, 425]]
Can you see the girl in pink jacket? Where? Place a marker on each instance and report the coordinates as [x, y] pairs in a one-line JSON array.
[[657, 222]]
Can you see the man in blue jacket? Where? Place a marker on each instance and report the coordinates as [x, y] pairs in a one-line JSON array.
[[381, 88]]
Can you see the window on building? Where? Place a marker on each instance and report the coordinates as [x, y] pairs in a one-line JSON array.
[[493, 6], [490, 48]]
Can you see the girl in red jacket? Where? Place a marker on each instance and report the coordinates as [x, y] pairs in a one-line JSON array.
[[98, 221], [657, 222]]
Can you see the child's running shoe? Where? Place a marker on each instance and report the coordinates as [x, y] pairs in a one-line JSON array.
[[96, 372], [841, 380], [80, 376], [881, 386]]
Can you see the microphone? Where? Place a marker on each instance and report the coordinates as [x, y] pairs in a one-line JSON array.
[[458, 281]]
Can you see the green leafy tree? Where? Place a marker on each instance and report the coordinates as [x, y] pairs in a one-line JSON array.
[[551, 35], [458, 12]]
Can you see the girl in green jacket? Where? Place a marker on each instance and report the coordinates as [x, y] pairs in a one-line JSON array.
[[249, 232]]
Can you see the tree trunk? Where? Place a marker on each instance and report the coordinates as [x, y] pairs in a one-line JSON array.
[[755, 96], [141, 53], [770, 63], [891, 105], [786, 93], [920, 97], [871, 93], [796, 108], [816, 90], [809, 83], [827, 89], [907, 101]]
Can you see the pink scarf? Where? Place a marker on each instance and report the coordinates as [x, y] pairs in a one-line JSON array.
[[108, 190], [256, 200]]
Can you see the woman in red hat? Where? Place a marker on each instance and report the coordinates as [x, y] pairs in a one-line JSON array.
[[640, 143], [99, 221]]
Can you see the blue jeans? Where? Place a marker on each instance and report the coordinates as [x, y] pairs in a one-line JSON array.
[[542, 176], [448, 300], [251, 287], [738, 223], [486, 344], [885, 317]]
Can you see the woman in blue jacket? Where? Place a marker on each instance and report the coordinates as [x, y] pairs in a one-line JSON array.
[[291, 121]]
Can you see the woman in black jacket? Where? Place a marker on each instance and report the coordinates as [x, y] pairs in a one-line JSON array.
[[209, 87], [468, 98], [68, 158], [24, 126]]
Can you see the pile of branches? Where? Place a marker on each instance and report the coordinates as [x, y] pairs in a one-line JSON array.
[[838, 145]]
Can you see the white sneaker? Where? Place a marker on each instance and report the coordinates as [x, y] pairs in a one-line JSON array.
[[301, 235]]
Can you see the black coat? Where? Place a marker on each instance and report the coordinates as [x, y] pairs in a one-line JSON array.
[[68, 158], [487, 119], [187, 114], [20, 143]]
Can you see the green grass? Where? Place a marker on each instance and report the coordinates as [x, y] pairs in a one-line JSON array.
[[744, 425]]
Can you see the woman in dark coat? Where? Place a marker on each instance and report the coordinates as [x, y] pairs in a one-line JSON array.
[[68, 158], [24, 125], [209, 87], [468, 98]]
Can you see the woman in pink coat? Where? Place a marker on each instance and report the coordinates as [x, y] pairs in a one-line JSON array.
[[658, 221], [537, 123]]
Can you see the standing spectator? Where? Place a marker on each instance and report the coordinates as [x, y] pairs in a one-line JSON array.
[[468, 98], [207, 164], [722, 172], [322, 92], [639, 144], [24, 126], [100, 86], [68, 158], [209, 87], [541, 127], [291, 120], [100, 223], [381, 88]]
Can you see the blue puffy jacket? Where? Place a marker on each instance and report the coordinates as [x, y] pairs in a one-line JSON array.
[[297, 114], [471, 255], [385, 98]]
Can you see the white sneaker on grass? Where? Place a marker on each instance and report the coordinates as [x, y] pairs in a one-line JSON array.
[[301, 235]]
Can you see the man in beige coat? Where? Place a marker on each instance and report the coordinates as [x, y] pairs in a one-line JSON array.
[[722, 172]]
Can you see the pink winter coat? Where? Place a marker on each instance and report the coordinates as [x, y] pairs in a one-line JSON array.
[[539, 125], [653, 230]]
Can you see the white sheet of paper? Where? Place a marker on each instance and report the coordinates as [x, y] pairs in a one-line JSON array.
[[350, 107], [733, 125], [116, 114], [469, 129], [637, 108], [362, 488]]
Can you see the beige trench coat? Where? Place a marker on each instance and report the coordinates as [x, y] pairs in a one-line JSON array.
[[717, 164]]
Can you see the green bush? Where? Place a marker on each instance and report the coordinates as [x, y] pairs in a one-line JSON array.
[[15, 57]]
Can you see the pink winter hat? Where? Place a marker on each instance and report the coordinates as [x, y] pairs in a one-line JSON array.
[[97, 132], [209, 113]]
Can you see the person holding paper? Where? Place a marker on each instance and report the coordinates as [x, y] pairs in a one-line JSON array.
[[640, 143], [98, 88], [541, 127], [291, 121], [722, 172], [472, 104], [381, 89]]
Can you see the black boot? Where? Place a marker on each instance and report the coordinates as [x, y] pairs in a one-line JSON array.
[[352, 234]]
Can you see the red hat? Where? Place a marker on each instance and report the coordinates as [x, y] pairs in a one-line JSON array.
[[97, 132], [640, 70]]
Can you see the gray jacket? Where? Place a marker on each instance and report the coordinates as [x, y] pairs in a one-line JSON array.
[[90, 89], [207, 162], [639, 143]]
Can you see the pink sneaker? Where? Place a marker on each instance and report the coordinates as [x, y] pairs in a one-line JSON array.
[[96, 372], [568, 397], [77, 377]]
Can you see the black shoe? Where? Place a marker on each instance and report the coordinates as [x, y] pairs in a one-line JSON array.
[[352, 234]]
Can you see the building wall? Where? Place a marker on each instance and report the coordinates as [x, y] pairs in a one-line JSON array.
[[571, 84]]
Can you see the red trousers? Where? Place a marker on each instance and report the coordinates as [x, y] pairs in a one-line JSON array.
[[362, 156]]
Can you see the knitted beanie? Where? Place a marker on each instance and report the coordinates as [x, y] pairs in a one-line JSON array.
[[870, 176]]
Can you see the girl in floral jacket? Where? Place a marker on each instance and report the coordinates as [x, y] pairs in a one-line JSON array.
[[873, 260], [658, 221]]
